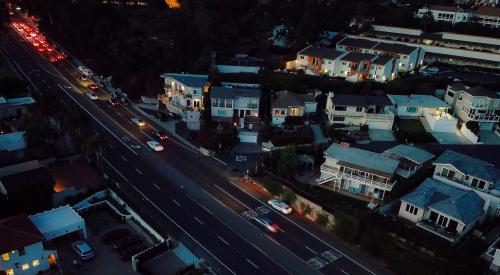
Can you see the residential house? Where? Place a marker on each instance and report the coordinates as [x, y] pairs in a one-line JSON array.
[[14, 106], [474, 104], [470, 173], [407, 57], [234, 104], [355, 66], [446, 211], [432, 111], [183, 92], [240, 63], [318, 60], [411, 159], [362, 174], [23, 248], [286, 105], [373, 111], [486, 16], [383, 69]]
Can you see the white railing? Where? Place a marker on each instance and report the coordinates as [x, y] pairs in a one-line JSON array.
[[336, 174], [388, 116]]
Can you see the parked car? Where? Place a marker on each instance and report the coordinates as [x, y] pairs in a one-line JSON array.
[[83, 250], [115, 234], [92, 96], [127, 253], [124, 101], [162, 116], [125, 242], [113, 101], [155, 145], [138, 121], [93, 87], [280, 206], [267, 224], [160, 135]]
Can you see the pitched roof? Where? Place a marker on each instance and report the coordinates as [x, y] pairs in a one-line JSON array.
[[25, 179], [357, 43], [190, 80], [470, 166], [463, 205], [326, 53], [285, 99], [17, 232], [371, 161], [426, 101], [359, 100], [412, 153], [382, 60], [358, 57], [394, 48], [224, 92]]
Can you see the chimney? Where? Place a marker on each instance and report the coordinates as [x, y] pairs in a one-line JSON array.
[[345, 145]]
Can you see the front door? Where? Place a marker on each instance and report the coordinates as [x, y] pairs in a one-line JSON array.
[[242, 113]]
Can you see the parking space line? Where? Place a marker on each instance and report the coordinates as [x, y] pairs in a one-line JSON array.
[[178, 204], [224, 241], [138, 171], [156, 186], [198, 220], [254, 265], [308, 248]]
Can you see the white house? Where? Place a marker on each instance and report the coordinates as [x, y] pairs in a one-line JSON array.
[[58, 222], [411, 159], [288, 105], [183, 92], [317, 60], [474, 104], [358, 110], [23, 248], [383, 68], [234, 104], [355, 66], [486, 16], [470, 173], [431, 110], [446, 211], [363, 174]]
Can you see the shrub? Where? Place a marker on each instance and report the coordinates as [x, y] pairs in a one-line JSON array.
[[289, 196], [274, 187], [322, 219]]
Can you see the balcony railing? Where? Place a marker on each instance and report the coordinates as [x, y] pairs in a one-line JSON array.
[[448, 234], [388, 116], [336, 174]]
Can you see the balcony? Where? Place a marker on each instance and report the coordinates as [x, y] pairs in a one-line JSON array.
[[445, 233], [388, 116], [329, 174], [253, 106]]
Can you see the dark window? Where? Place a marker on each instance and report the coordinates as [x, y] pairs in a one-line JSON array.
[[339, 108]]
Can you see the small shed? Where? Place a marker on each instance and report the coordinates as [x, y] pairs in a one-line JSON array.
[[58, 222]]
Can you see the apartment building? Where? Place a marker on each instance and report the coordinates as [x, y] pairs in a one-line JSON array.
[[470, 173], [358, 110], [474, 104], [407, 57], [361, 174], [486, 16], [183, 92]]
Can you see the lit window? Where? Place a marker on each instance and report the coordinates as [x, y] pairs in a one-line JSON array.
[[10, 272], [36, 262], [25, 266], [5, 257]]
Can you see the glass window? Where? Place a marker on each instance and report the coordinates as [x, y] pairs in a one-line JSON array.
[[10, 272], [36, 262], [229, 103], [222, 103], [247, 112], [359, 109], [277, 112], [25, 266], [215, 102], [339, 108], [411, 109], [5, 257], [282, 112]]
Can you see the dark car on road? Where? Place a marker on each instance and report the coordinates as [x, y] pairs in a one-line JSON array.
[[127, 253], [162, 116], [125, 242], [115, 234], [160, 135]]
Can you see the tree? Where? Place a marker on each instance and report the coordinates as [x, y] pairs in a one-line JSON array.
[[287, 163], [38, 136]]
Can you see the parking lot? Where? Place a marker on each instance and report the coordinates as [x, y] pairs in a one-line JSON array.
[[106, 261]]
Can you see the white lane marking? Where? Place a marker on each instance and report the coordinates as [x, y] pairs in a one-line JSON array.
[[130, 122], [178, 204], [124, 158], [116, 170], [198, 220], [202, 206], [254, 265], [224, 241], [118, 113], [216, 186], [308, 248], [343, 271], [27, 78], [158, 187], [308, 232], [98, 121], [219, 161], [138, 171], [183, 230]]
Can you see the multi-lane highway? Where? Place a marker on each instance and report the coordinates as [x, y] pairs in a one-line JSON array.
[[195, 197]]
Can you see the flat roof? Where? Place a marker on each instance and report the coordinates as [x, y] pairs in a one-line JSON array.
[[362, 158], [225, 92], [394, 47], [20, 101], [425, 101], [12, 141], [56, 218], [190, 80]]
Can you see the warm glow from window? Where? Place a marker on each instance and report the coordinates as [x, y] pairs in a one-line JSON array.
[[5, 257], [25, 266], [173, 4], [36, 262], [10, 272]]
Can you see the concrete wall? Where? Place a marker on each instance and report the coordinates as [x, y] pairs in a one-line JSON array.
[[469, 135]]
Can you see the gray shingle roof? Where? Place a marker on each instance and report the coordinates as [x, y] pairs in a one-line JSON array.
[[285, 99], [470, 166], [481, 91], [362, 158], [394, 48], [190, 80], [382, 60], [411, 153], [463, 205], [321, 52], [223, 92]]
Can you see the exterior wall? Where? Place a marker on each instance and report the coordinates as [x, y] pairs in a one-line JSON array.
[[443, 123], [410, 216], [278, 119], [244, 106], [32, 253], [476, 108], [179, 97], [248, 136], [220, 110], [228, 69], [383, 73]]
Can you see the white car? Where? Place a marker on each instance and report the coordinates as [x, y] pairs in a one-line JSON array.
[[155, 145], [280, 206], [92, 96], [139, 122]]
